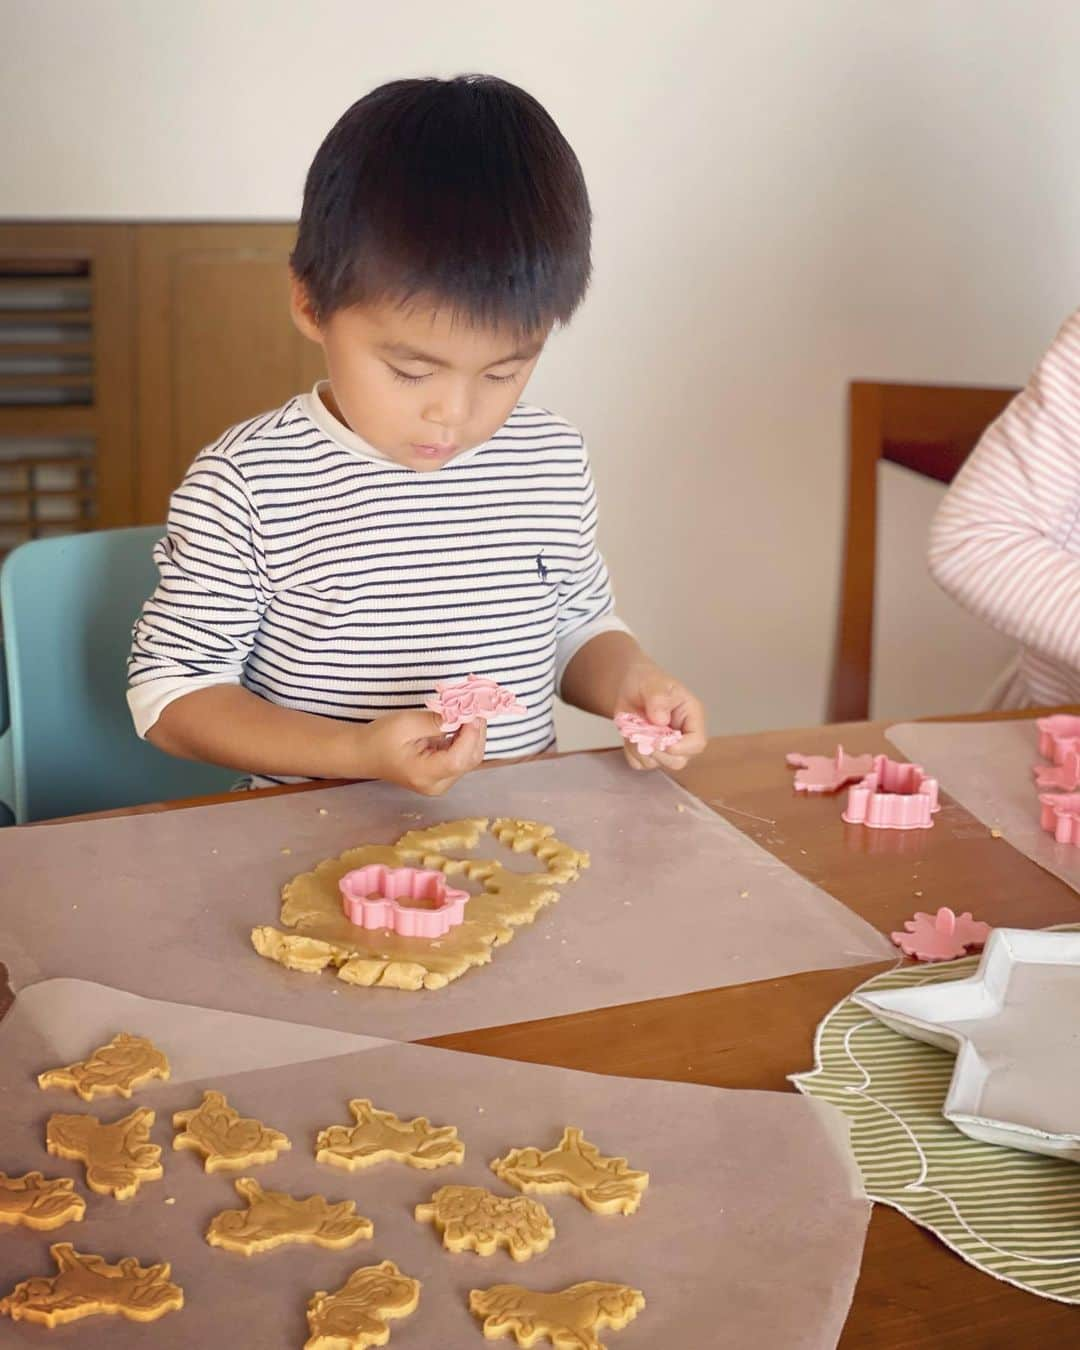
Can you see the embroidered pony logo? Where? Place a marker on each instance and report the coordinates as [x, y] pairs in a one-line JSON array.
[[541, 567]]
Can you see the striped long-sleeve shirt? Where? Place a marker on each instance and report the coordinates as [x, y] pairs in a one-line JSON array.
[[1005, 542], [306, 567]]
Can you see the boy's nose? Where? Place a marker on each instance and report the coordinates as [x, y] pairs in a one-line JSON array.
[[449, 410]]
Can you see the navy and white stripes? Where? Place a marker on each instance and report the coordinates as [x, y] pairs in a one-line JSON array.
[[306, 567]]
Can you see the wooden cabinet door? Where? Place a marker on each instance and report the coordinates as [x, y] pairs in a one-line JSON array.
[[214, 342]]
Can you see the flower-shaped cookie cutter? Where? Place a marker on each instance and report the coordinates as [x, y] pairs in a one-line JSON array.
[[1061, 815], [476, 698], [644, 735], [895, 795], [1058, 735], [371, 898], [941, 936], [829, 773]]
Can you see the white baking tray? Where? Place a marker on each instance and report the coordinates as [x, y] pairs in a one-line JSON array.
[[1014, 1026]]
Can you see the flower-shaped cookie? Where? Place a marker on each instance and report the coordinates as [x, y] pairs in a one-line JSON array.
[[473, 1219]]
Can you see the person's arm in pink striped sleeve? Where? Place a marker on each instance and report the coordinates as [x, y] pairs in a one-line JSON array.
[[1005, 541]]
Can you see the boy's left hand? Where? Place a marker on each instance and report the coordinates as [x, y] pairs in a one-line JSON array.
[[661, 699]]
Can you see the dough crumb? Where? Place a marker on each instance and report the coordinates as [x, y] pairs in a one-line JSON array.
[[323, 811], [170, 1199], [286, 850], [679, 806], [995, 834], [918, 893], [744, 895]]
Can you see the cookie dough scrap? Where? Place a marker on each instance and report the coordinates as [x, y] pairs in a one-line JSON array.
[[380, 1136], [273, 1219], [358, 1314], [570, 1319], [575, 1167], [113, 1070], [472, 1219], [87, 1284], [226, 1140], [118, 1157], [35, 1202], [320, 935]]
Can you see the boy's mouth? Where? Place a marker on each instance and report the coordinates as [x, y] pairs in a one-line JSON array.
[[434, 452]]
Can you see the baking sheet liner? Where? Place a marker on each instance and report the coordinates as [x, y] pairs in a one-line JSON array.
[[750, 1233], [676, 900]]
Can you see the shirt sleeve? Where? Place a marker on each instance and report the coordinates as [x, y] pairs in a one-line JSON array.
[[198, 627], [1004, 541], [586, 602]]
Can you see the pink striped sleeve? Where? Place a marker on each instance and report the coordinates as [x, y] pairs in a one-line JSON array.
[[1004, 542]]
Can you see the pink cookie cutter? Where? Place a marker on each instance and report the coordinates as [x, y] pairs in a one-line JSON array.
[[1061, 815], [371, 896], [476, 698], [941, 936], [646, 736], [893, 796], [824, 773], [1062, 777], [1058, 735]]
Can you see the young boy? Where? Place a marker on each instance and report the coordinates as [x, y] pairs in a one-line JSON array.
[[410, 520]]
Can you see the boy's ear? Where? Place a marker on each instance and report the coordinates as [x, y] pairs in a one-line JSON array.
[[302, 310]]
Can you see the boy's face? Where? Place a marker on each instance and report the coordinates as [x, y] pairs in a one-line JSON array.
[[413, 383]]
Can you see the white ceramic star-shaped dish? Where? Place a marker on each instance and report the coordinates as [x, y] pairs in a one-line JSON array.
[[1015, 1029]]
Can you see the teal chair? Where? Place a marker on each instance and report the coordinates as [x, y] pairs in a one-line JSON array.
[[67, 744]]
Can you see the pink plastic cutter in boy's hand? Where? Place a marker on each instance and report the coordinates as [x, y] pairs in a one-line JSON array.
[[644, 735], [476, 698]]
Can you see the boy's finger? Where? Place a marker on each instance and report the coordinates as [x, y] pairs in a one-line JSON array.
[[672, 762], [467, 749], [659, 706]]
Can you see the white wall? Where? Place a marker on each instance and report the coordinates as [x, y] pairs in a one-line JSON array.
[[787, 195]]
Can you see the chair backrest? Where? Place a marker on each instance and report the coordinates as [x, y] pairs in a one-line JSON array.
[[928, 428], [67, 606]]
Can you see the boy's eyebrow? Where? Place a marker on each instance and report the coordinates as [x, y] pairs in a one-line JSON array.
[[406, 353]]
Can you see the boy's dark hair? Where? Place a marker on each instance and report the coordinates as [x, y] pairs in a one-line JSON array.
[[463, 190]]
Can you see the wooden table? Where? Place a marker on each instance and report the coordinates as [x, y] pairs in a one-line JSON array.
[[912, 1292]]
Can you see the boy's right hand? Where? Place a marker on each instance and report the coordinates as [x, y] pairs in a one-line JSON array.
[[409, 749]]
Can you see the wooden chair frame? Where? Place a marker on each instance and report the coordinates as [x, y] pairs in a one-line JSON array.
[[927, 428]]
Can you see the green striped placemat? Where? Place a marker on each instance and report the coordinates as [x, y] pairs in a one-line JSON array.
[[1015, 1215]]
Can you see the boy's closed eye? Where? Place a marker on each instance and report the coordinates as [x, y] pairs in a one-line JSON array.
[[407, 377]]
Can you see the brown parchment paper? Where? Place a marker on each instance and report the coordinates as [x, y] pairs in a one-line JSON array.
[[750, 1233], [675, 900], [988, 768]]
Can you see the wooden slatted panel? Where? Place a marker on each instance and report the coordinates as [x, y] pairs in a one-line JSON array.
[[66, 448]]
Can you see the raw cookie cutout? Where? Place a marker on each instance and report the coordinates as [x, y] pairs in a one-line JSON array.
[[472, 1219], [87, 1284], [379, 1136], [118, 1157]]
